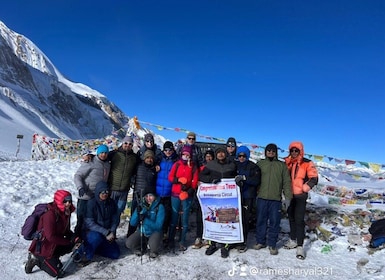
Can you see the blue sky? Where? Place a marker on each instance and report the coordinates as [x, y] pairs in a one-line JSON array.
[[261, 71]]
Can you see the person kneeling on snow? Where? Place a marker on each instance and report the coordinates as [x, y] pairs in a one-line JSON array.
[[101, 221], [149, 214], [55, 236]]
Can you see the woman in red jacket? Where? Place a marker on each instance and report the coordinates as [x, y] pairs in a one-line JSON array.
[[304, 177], [184, 176], [55, 239]]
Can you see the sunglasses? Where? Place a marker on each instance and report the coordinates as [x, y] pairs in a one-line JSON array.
[[104, 192], [241, 155], [231, 146], [67, 201], [271, 150], [168, 150], [126, 143], [294, 150], [191, 138]]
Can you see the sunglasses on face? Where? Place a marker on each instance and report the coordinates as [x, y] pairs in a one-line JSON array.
[[168, 150], [231, 146], [126, 143], [271, 150], [294, 150], [104, 192], [67, 201], [191, 138], [244, 156]]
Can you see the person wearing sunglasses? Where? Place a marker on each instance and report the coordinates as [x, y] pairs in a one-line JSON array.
[[275, 181], [101, 221], [231, 148], [248, 179], [304, 176], [197, 155], [149, 145]]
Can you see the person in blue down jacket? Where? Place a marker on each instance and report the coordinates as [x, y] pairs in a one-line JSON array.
[[101, 222], [148, 218]]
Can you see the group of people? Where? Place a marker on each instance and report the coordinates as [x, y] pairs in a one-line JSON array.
[[165, 183]]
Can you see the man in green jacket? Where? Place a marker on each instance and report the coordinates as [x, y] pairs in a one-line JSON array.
[[275, 179]]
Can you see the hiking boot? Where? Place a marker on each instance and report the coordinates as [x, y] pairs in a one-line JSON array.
[[139, 252], [198, 243], [300, 253], [273, 251], [205, 243], [30, 264], [259, 246], [225, 251], [242, 248], [211, 249], [182, 247], [290, 244], [153, 255]]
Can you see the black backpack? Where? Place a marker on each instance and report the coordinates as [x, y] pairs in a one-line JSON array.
[[29, 229]]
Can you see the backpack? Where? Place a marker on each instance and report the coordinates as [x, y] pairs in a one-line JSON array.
[[29, 229]]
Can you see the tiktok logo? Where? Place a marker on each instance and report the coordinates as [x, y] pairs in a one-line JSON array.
[[242, 272]]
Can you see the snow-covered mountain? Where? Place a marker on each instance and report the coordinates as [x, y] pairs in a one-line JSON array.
[[36, 98]]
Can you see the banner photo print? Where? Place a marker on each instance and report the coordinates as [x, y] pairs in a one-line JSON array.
[[221, 211]]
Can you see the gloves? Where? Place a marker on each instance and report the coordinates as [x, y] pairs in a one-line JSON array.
[[239, 179], [216, 181], [82, 191], [182, 180], [139, 208], [110, 236], [184, 188], [190, 192]]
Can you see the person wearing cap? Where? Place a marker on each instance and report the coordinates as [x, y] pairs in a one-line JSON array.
[[248, 179], [149, 144], [184, 178], [219, 168], [145, 181], [124, 163], [101, 222], [231, 148], [86, 177], [275, 181], [163, 185], [197, 156], [55, 241], [148, 218], [209, 155], [304, 176]]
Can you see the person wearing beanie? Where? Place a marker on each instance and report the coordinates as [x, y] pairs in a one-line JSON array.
[[124, 162], [275, 181], [196, 151], [231, 148], [163, 185], [304, 177], [148, 218], [145, 181], [219, 168], [248, 179], [101, 222], [90, 172], [149, 145], [184, 178], [57, 236]]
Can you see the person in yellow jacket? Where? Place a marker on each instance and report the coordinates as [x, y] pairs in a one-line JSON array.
[[304, 176]]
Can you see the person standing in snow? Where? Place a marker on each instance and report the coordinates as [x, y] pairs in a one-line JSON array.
[[184, 178], [90, 173], [304, 176], [163, 185], [214, 171], [248, 179], [124, 163], [275, 180], [56, 236], [101, 221]]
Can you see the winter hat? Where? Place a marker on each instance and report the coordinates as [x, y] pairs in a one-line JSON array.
[[102, 149], [191, 134], [231, 141], [149, 137], [243, 150], [186, 149], [210, 152], [59, 197], [220, 149], [168, 145], [148, 153], [271, 147], [127, 139], [101, 186]]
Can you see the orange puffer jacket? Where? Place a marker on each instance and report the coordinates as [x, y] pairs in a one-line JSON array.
[[304, 174]]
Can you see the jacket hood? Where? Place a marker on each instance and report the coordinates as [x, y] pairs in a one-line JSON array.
[[299, 146], [101, 186], [243, 150], [59, 197]]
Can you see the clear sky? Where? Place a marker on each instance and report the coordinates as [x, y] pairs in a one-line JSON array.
[[261, 71]]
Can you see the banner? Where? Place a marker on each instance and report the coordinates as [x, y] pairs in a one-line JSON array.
[[221, 211]]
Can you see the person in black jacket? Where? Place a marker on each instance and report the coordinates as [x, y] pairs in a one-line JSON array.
[[214, 171], [101, 221], [248, 179]]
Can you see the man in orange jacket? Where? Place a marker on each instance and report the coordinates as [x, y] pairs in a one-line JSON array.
[[304, 176]]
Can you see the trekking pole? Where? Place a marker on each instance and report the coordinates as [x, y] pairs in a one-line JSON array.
[[139, 207]]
